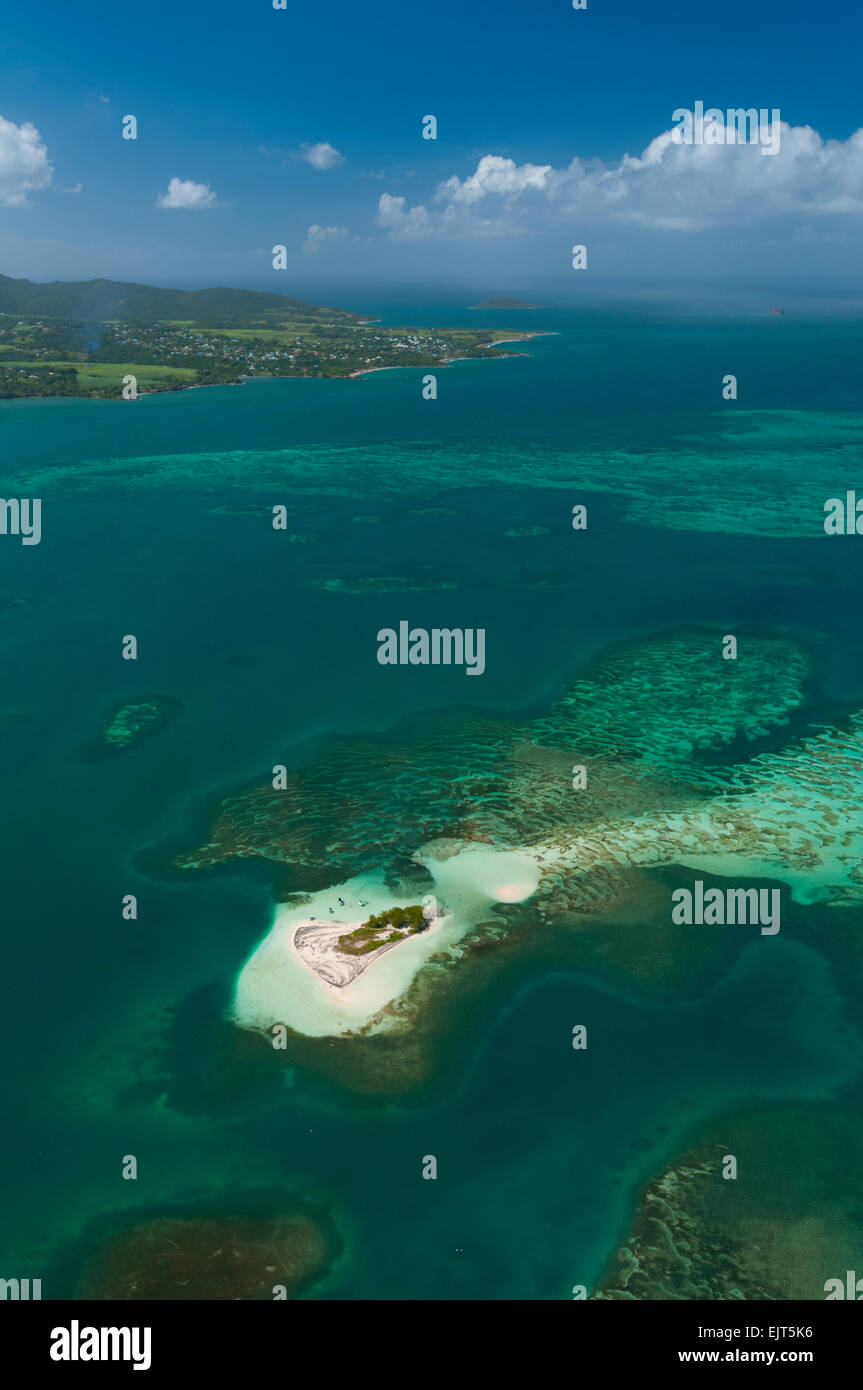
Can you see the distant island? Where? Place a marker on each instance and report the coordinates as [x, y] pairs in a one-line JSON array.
[[83, 339], [504, 303]]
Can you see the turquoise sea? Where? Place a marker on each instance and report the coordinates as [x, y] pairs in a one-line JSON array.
[[704, 514]]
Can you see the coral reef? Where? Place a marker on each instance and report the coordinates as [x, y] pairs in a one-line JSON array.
[[129, 723], [779, 1230], [226, 1257]]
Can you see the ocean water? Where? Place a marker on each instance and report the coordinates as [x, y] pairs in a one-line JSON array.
[[703, 515]]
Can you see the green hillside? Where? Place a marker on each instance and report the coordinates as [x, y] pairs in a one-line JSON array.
[[114, 301]]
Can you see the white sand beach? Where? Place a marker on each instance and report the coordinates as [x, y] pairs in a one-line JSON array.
[[277, 985]]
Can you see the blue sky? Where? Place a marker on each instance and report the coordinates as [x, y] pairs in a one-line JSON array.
[[234, 100]]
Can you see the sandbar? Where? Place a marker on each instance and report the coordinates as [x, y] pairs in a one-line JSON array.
[[278, 985]]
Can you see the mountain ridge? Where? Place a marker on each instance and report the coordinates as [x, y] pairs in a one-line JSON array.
[[107, 301]]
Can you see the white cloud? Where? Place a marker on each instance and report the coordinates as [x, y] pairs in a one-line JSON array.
[[409, 225], [688, 187], [417, 223], [317, 235], [76, 188], [321, 156], [184, 193], [670, 186], [495, 175], [24, 163]]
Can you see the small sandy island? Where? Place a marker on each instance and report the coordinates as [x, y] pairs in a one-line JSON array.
[[299, 977], [316, 944]]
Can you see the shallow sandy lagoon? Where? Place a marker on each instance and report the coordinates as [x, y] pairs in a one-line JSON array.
[[275, 986]]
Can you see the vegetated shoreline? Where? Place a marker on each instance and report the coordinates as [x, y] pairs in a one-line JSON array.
[[311, 926], [244, 379], [447, 361]]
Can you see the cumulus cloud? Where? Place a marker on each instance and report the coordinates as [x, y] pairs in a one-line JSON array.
[[687, 187], [24, 163], [670, 186], [495, 175], [417, 223], [321, 156], [409, 223], [316, 236], [76, 188], [185, 193]]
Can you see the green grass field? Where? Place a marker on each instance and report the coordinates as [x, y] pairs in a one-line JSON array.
[[94, 375]]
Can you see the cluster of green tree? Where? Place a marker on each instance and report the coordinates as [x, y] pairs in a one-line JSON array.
[[408, 919], [293, 314], [34, 380], [360, 943], [212, 373], [55, 341], [210, 370], [110, 351], [398, 922]]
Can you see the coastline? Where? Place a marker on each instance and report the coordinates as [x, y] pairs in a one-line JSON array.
[[366, 371], [524, 337], [301, 376], [447, 361]]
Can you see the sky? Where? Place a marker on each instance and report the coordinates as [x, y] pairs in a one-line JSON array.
[[302, 127]]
